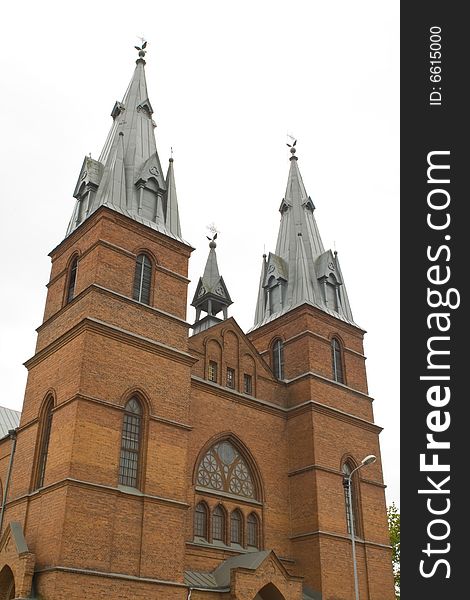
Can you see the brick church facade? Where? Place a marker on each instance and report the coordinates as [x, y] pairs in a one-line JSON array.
[[160, 459]]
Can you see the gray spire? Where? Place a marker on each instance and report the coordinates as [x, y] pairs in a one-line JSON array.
[[211, 295], [300, 271], [128, 176], [172, 221]]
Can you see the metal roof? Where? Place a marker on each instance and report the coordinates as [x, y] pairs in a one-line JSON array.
[[128, 176], [9, 419], [297, 272]]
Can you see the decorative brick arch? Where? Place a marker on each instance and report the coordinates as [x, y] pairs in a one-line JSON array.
[[16, 563], [7, 584], [269, 592]]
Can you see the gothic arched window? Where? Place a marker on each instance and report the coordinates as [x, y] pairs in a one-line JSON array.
[[71, 279], [142, 279], [44, 437], [278, 359], [252, 533], [200, 521], [347, 470], [130, 444], [337, 361], [236, 527], [223, 468], [218, 524]]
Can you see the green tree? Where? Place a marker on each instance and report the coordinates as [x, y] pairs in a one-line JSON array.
[[393, 515]]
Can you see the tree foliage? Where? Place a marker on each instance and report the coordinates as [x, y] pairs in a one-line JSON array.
[[393, 515]]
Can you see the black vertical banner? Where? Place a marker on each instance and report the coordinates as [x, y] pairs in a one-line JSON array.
[[435, 331]]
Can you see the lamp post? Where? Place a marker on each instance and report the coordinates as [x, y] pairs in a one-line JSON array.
[[368, 460]]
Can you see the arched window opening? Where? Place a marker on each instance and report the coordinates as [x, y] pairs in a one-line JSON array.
[[45, 434], [337, 361], [236, 527], [278, 359], [200, 521], [351, 508], [223, 468], [142, 279], [72, 278], [7, 584], [130, 444], [332, 292], [218, 525], [252, 534]]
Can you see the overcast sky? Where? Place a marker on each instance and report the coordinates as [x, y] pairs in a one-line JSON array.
[[227, 81]]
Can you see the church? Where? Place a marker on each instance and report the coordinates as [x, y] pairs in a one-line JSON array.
[[160, 459]]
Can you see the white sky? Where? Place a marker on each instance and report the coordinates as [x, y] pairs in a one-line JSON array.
[[227, 81]]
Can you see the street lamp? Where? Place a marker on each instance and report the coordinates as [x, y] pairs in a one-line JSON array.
[[368, 460]]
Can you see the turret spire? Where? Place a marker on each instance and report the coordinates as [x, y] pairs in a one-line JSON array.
[[300, 271], [211, 294], [128, 176]]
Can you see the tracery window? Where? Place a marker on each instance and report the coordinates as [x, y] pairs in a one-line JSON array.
[[142, 279], [71, 280], [223, 468], [252, 532], [218, 524], [337, 361], [130, 444], [236, 527], [200, 521]]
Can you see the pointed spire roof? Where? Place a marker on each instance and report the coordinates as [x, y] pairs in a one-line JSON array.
[[300, 271], [172, 221], [211, 295], [128, 176]]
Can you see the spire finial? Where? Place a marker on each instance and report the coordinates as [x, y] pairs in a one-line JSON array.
[[171, 153], [213, 229], [292, 146], [141, 49]]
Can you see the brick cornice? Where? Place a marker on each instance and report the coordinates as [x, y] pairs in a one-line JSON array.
[[113, 332], [138, 495], [346, 538], [328, 381], [106, 291], [311, 405], [103, 212], [230, 394], [109, 575]]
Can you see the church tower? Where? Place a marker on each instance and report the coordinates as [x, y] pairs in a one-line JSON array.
[[305, 330], [106, 406]]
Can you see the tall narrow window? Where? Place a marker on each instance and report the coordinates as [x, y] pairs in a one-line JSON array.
[[230, 377], [278, 359], [212, 371], [337, 361], [45, 433], [200, 521], [347, 471], [236, 527], [142, 279], [130, 444], [218, 524], [72, 279], [247, 384], [252, 533]]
